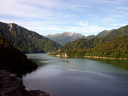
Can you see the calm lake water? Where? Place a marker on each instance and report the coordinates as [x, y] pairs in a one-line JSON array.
[[78, 76]]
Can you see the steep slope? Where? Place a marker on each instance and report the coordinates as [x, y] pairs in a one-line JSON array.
[[12, 59], [82, 44], [90, 37], [117, 48], [66, 37], [116, 32], [25, 40], [103, 33], [79, 47]]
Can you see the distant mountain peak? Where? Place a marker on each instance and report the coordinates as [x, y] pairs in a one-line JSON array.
[[72, 33], [69, 33], [66, 33], [65, 37]]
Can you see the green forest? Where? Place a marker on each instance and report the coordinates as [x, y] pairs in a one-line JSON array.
[[27, 41], [112, 45], [13, 60]]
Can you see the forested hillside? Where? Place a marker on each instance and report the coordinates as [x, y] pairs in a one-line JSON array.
[[116, 48], [82, 44], [116, 32], [12, 59], [27, 41], [114, 44], [103, 33]]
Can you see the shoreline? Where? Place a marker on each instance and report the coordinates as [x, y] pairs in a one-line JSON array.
[[64, 55], [97, 57]]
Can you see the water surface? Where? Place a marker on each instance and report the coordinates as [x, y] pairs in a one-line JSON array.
[[78, 76]]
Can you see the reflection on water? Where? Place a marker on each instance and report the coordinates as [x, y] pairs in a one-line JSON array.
[[78, 76], [118, 63]]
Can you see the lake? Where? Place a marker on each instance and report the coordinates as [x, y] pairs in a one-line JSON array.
[[78, 76]]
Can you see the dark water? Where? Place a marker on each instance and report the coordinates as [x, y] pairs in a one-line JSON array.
[[78, 76]]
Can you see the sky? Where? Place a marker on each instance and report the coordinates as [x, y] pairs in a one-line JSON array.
[[88, 17]]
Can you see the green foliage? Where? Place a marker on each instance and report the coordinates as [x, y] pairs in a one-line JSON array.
[[82, 44], [12, 59], [112, 45], [117, 48], [27, 41], [90, 37], [115, 33], [4, 42], [103, 33]]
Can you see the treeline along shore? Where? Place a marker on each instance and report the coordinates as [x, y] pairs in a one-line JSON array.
[[113, 45], [64, 55]]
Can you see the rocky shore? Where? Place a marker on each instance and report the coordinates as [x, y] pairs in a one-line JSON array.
[[10, 85]]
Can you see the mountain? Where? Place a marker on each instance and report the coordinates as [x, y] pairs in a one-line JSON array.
[[81, 44], [117, 48], [116, 32], [90, 37], [25, 40], [99, 45], [103, 33], [12, 59], [66, 37]]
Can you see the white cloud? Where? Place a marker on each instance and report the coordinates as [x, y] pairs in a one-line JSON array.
[[14, 8], [112, 2], [39, 8], [87, 30], [61, 15], [81, 27], [68, 16], [83, 23], [122, 8], [118, 24]]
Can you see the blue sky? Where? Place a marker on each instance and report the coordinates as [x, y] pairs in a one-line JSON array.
[[56, 16]]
